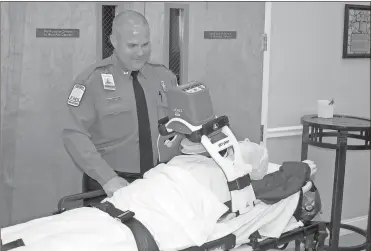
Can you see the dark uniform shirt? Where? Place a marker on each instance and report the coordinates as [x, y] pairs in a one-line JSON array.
[[102, 135]]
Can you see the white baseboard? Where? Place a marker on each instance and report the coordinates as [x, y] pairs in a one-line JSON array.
[[287, 131], [360, 222]]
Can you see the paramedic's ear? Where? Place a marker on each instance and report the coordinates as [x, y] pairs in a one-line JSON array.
[[113, 39]]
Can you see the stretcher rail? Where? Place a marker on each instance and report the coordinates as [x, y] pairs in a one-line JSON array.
[[77, 197], [313, 234]]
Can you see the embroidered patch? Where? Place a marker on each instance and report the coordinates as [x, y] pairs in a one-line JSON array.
[[76, 95]]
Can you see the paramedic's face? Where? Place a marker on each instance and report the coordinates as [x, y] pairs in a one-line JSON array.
[[132, 45]]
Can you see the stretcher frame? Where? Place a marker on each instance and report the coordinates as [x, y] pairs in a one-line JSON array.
[[312, 235]]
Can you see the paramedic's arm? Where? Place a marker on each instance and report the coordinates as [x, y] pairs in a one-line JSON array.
[[78, 144]]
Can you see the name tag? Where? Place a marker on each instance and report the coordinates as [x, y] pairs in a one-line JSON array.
[[108, 82]]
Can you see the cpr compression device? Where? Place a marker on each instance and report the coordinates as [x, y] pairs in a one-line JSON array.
[[191, 113]]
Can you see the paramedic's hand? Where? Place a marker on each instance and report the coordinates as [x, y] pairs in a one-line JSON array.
[[114, 184]]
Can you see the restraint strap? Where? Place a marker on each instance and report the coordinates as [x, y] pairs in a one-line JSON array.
[[110, 209], [12, 245], [239, 183], [143, 237], [298, 210]]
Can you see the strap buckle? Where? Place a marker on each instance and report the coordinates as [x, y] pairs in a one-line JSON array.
[[127, 215], [114, 212]]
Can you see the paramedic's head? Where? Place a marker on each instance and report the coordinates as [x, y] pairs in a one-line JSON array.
[[131, 39]]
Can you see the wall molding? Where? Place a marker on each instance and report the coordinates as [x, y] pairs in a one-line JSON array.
[[360, 222], [287, 131]]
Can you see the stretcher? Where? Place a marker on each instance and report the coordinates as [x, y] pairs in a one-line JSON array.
[[310, 233], [115, 226]]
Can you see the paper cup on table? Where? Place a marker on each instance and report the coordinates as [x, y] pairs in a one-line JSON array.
[[325, 109]]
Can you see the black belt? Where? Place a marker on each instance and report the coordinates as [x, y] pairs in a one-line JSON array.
[[143, 237]]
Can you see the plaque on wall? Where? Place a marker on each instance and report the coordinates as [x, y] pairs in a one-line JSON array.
[[60, 33], [220, 34]]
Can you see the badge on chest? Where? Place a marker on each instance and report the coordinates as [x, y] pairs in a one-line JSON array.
[[164, 87], [108, 82]]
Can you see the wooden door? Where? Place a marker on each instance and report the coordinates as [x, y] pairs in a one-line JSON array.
[[36, 76], [231, 68]]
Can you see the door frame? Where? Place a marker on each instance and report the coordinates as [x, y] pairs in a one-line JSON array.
[[185, 41], [120, 6], [266, 72]]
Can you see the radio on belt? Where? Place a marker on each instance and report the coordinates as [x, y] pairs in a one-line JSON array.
[[190, 102]]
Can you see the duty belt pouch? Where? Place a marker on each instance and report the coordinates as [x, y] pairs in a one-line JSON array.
[[143, 238]]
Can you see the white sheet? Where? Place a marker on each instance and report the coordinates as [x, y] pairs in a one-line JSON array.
[[270, 220], [178, 210]]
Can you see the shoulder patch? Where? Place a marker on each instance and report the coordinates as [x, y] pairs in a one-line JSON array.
[[76, 95]]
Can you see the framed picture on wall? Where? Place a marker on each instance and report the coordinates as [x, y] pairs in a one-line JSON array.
[[356, 38]]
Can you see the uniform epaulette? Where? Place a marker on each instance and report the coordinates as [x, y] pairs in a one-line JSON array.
[[155, 64], [90, 69], [160, 65]]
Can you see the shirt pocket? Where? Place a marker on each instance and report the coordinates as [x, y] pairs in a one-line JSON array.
[[117, 120]]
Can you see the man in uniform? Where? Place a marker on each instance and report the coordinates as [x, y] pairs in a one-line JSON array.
[[115, 106]]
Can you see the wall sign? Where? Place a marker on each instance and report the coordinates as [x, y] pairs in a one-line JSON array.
[[61, 33], [220, 34]]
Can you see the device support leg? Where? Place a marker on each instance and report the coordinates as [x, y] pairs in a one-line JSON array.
[[297, 245], [321, 237], [309, 243]]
